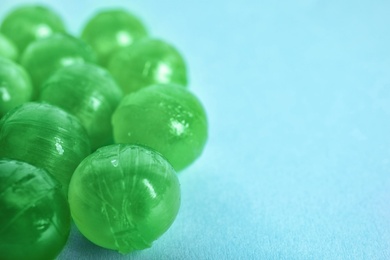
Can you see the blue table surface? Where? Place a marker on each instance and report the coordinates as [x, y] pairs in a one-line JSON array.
[[297, 165]]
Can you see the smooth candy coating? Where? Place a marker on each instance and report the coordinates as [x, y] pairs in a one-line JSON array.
[[7, 48], [34, 213], [88, 92], [15, 86], [123, 197], [110, 30], [148, 62], [45, 136], [42, 58], [26, 24], [166, 118]]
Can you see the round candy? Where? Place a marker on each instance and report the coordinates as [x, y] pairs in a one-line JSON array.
[[147, 62], [15, 86], [45, 136], [123, 197], [89, 93], [7, 48], [42, 58], [34, 216], [110, 30], [166, 118], [26, 24]]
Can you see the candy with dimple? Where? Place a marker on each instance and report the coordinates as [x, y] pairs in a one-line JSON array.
[[34, 213], [45, 136], [89, 93], [109, 30], [167, 118], [7, 48], [123, 197], [15, 86], [148, 62], [26, 24], [43, 57]]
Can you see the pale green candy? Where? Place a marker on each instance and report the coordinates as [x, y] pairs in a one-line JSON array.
[[43, 57], [123, 197], [89, 93], [110, 30], [148, 62], [167, 118], [28, 23], [7, 48]]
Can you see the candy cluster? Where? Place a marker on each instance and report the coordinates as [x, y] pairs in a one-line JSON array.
[[92, 129]]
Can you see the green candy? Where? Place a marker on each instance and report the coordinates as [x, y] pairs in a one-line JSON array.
[[45, 136], [123, 197], [26, 24], [166, 118], [34, 213], [15, 86], [42, 58], [110, 30], [7, 48], [148, 62], [89, 93]]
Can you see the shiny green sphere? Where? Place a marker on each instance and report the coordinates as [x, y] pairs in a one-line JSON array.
[[123, 197], [34, 213], [167, 118], [148, 62], [7, 48], [42, 58], [88, 92], [26, 24], [110, 30], [45, 136], [15, 86]]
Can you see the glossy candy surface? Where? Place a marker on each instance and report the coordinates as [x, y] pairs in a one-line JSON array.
[[147, 62], [26, 24], [123, 197], [15, 86], [34, 213], [42, 58], [45, 136], [89, 93], [166, 118], [110, 30], [7, 48]]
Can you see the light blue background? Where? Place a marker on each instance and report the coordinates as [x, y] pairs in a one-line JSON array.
[[297, 165]]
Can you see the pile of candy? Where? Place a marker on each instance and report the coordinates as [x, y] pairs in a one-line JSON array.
[[92, 129]]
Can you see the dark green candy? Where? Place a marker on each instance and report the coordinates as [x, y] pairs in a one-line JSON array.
[[166, 118], [123, 197], [148, 62], [7, 48], [15, 86], [89, 93], [34, 213], [45, 136], [110, 30], [42, 58], [26, 24]]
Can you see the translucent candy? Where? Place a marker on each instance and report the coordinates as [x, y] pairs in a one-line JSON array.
[[44, 136], [167, 118], [34, 213], [148, 62], [89, 93], [110, 30], [123, 197], [43, 57], [28, 23], [7, 48], [15, 86]]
